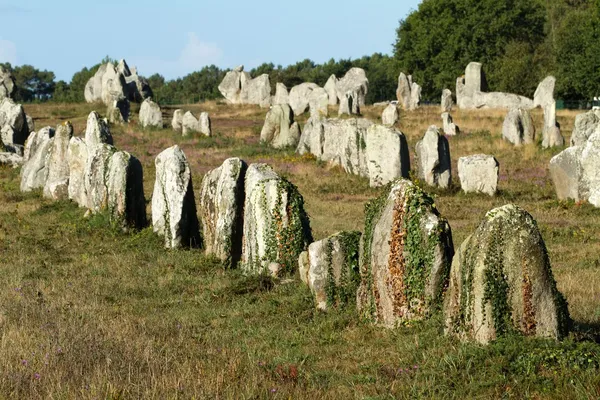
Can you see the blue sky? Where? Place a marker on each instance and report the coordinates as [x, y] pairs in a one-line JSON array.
[[177, 37]]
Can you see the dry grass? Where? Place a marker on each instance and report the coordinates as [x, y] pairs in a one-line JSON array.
[[98, 313]]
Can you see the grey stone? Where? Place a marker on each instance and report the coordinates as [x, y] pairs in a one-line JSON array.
[[256, 91], [403, 91], [590, 165], [299, 97], [566, 171], [501, 282], [401, 281], [387, 155], [279, 129], [173, 205], [7, 84], [389, 117], [478, 174], [150, 115], [118, 111], [189, 124], [125, 190], [77, 155], [56, 186], [447, 102], [230, 87], [11, 159], [330, 88], [35, 170], [585, 125], [13, 123], [204, 124], [281, 94], [95, 176], [450, 128], [35, 139], [97, 131], [221, 209], [433, 159], [276, 227], [354, 84], [318, 102], [177, 121], [544, 94], [518, 127]]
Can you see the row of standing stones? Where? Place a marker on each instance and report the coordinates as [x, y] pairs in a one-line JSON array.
[[402, 268]]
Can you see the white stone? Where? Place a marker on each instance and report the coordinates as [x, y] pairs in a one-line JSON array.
[[387, 155], [77, 158], [204, 124], [177, 121], [56, 186], [299, 97], [330, 88], [150, 114], [279, 129], [433, 158], [478, 174], [389, 116], [97, 131]]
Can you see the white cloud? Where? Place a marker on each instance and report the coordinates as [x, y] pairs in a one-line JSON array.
[[8, 51], [194, 55]]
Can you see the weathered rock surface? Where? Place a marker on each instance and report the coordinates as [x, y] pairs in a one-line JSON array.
[[238, 87], [408, 92], [501, 282], [35, 171], [13, 123], [7, 84], [150, 115], [585, 125], [355, 84], [338, 141], [415, 96], [77, 155], [118, 111], [173, 205], [221, 209], [189, 124], [518, 127], [279, 129], [330, 268], [330, 88], [95, 176], [97, 131], [389, 117], [450, 128], [114, 83], [125, 190], [551, 133], [478, 174], [57, 183], [565, 171], [11, 159], [276, 227], [299, 97], [230, 87], [281, 94], [204, 124], [589, 182], [318, 102], [433, 158], [447, 102], [177, 121], [35, 139], [387, 155], [405, 257], [544, 94]]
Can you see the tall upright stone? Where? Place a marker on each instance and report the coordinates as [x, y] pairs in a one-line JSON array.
[[96, 174], [279, 129], [97, 131], [330, 88], [585, 125], [177, 120], [276, 227], [77, 155], [318, 103], [406, 253], [7, 84], [389, 117], [447, 102], [204, 125], [173, 205], [299, 97], [387, 155], [501, 282], [221, 209], [518, 127], [403, 91], [150, 115], [281, 94], [433, 159], [35, 171], [57, 182], [125, 190], [478, 174]]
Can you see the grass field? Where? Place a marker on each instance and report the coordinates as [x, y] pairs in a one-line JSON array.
[[87, 311]]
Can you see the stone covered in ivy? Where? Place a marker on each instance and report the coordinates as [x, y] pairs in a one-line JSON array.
[[330, 269], [276, 227], [501, 282], [173, 205], [406, 254], [221, 206]]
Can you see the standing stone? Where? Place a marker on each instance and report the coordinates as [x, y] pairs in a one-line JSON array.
[[77, 158], [276, 227], [177, 121], [35, 139], [93, 87], [150, 115], [97, 131], [35, 171], [566, 171], [256, 91], [312, 137], [544, 94], [125, 190], [348, 105], [387, 155], [114, 87], [10, 159], [57, 182], [189, 124], [389, 117], [7, 84], [403, 91], [478, 174], [405, 257], [281, 94], [330, 88], [173, 205], [518, 127], [318, 102], [585, 125], [118, 111], [95, 176], [501, 282], [221, 206], [30, 124], [330, 268], [433, 159], [299, 97], [590, 165], [446, 101], [354, 84], [279, 129], [13, 123], [204, 124], [230, 87], [415, 96], [450, 128]]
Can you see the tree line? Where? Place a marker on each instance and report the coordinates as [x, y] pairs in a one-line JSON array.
[[519, 42]]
